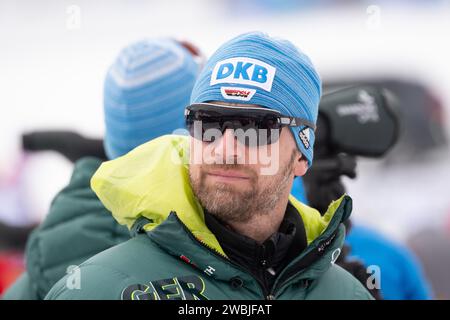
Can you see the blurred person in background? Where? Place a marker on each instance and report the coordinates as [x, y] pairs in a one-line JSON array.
[[391, 267], [15, 224], [211, 231], [353, 266], [145, 93], [431, 244], [400, 274]]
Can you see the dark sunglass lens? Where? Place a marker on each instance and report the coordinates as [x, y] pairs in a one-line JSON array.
[[203, 127], [270, 122], [251, 130]]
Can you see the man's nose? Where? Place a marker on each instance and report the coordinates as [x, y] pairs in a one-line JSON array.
[[228, 148]]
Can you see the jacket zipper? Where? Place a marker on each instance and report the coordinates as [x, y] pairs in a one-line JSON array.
[[266, 294], [280, 282]]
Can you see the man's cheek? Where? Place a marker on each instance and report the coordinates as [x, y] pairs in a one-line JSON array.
[[269, 159], [195, 174], [196, 154]]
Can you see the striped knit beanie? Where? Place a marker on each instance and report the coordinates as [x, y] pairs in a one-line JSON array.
[[255, 68], [145, 93]]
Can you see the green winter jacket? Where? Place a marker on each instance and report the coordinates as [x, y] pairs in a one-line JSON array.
[[173, 255], [77, 227]]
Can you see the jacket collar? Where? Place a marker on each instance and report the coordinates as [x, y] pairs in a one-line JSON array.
[[280, 248], [174, 237]]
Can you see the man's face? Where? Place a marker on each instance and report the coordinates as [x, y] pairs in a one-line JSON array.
[[233, 181]]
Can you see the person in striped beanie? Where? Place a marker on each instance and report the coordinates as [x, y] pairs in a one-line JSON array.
[[221, 230], [145, 92], [257, 69]]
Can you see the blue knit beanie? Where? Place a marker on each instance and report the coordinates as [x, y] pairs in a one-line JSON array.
[[145, 93], [255, 68]]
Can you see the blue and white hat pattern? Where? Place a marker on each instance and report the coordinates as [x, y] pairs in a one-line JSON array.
[[255, 68], [145, 93]]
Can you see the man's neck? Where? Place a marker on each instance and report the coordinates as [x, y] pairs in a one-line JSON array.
[[261, 226]]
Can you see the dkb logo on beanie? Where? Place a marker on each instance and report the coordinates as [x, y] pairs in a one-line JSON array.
[[242, 70]]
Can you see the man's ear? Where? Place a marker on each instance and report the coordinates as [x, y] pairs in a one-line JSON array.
[[300, 166]]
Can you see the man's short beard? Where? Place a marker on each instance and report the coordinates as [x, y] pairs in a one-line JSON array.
[[231, 205]]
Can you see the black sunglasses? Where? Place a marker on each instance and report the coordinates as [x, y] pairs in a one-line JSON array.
[[252, 126]]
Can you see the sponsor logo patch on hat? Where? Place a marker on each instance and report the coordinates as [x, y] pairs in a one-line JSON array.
[[235, 93], [304, 137], [243, 70]]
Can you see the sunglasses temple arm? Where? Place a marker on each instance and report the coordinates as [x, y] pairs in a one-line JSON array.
[[302, 122]]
